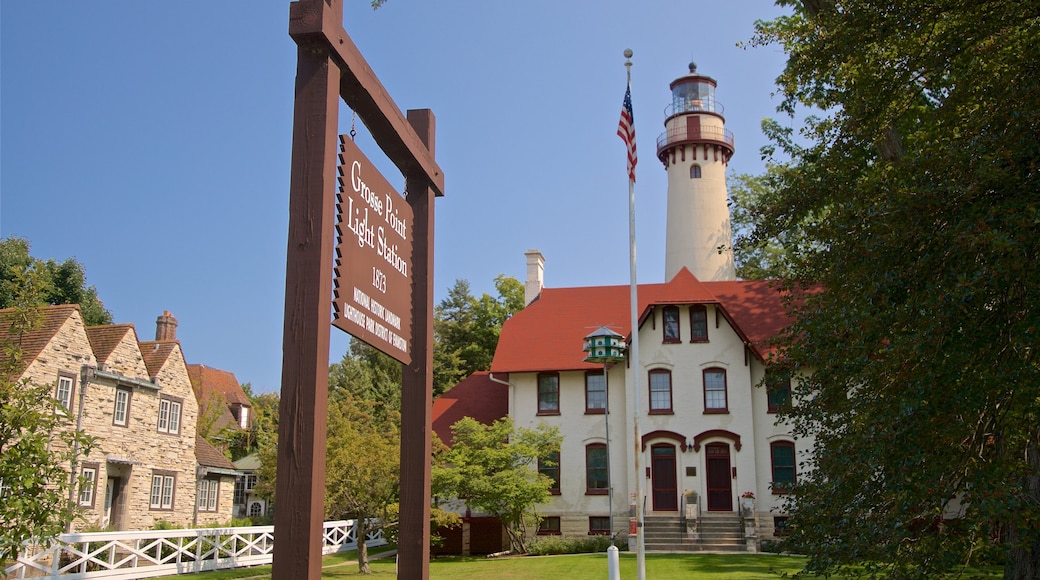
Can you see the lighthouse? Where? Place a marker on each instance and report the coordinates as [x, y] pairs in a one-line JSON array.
[[695, 150]]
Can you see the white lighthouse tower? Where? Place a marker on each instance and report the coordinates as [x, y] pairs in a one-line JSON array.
[[695, 149]]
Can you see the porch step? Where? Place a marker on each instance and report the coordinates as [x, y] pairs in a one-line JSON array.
[[718, 532], [721, 532]]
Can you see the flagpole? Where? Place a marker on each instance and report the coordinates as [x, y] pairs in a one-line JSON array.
[[634, 347]]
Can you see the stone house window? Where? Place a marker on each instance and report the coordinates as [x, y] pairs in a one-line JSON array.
[[88, 483], [209, 491], [64, 391], [161, 497], [170, 414], [121, 410]]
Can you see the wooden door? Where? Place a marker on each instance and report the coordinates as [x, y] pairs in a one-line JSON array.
[[663, 478], [720, 490]]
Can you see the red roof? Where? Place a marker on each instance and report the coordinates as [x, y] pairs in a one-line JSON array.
[[477, 396], [155, 354], [33, 342], [206, 380], [209, 456], [547, 334], [216, 390], [105, 339]]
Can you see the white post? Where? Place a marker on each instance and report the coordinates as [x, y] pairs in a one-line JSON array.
[[613, 564], [634, 357]]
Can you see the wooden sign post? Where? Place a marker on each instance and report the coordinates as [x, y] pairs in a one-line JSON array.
[[330, 67]]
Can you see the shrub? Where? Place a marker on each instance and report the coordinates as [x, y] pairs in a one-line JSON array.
[[549, 545]]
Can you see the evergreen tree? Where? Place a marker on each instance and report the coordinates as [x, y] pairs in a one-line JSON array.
[[466, 329]]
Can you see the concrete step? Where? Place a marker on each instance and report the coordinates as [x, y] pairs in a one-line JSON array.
[[717, 532]]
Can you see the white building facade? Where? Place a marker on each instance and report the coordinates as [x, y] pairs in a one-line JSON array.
[[707, 430]]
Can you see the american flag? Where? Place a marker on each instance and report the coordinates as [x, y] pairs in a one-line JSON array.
[[627, 131]]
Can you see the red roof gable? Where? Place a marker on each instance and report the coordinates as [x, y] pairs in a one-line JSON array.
[[547, 334], [33, 342], [477, 396], [155, 353], [105, 339], [207, 380]]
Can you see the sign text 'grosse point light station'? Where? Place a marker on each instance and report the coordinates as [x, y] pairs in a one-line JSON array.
[[373, 285]]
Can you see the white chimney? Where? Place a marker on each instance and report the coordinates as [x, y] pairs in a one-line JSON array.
[[535, 275]]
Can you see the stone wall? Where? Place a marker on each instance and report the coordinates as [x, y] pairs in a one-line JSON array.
[[225, 499]]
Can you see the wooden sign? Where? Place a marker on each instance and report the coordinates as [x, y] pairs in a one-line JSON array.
[[373, 275]]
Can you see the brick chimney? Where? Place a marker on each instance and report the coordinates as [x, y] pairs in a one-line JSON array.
[[166, 327], [535, 275]]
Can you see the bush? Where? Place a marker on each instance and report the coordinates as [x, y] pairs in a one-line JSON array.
[[234, 523], [267, 520], [549, 545]]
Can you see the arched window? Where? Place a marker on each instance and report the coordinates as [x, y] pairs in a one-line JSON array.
[[255, 509], [695, 171]]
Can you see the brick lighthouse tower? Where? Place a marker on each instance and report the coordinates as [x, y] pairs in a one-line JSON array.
[[695, 149]]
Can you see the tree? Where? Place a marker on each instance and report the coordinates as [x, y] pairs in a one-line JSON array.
[[35, 442], [916, 182], [63, 283], [238, 442], [493, 469], [362, 465], [756, 259], [368, 374], [466, 329]]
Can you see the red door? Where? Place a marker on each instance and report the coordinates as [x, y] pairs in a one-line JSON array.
[[666, 498], [693, 130], [720, 492]]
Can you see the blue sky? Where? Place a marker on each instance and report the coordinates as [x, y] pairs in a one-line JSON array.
[[151, 141]]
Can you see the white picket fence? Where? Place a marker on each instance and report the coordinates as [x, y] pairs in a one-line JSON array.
[[148, 554]]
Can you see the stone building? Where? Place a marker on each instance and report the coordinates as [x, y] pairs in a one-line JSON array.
[[136, 399]]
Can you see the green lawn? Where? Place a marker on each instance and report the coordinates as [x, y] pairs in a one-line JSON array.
[[575, 567]]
